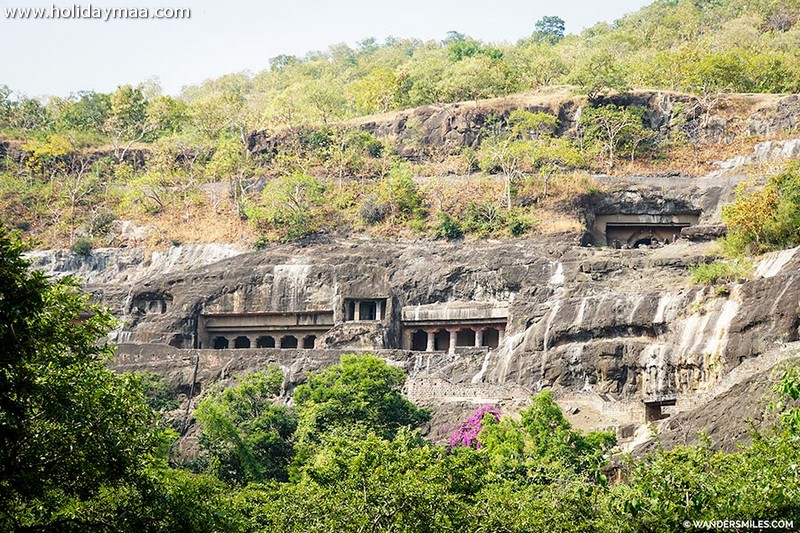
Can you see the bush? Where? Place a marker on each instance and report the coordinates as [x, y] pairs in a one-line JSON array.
[[466, 434], [157, 391], [244, 434], [518, 222], [447, 227], [261, 241], [101, 222], [767, 218], [82, 247], [371, 210], [486, 219], [398, 192], [720, 272], [481, 219]]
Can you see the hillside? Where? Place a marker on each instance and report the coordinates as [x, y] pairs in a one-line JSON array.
[[415, 286], [521, 159]]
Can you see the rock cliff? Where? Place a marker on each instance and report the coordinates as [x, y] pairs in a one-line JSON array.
[[620, 335], [450, 127], [607, 319]]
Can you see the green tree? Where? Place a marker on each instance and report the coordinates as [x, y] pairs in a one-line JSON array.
[[6, 107], [549, 29], [542, 444], [70, 429], [166, 116], [359, 481], [29, 115], [126, 122], [247, 437], [612, 127], [398, 194], [509, 157], [88, 112], [293, 206], [599, 72], [377, 92], [523, 124], [232, 161], [326, 99], [475, 77], [49, 157], [359, 392], [766, 218]]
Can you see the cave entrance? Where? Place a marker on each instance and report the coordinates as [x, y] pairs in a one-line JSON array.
[[465, 337], [419, 340], [241, 342], [220, 343], [266, 341], [491, 338], [289, 341], [632, 231], [309, 342], [658, 410], [633, 236], [441, 341]]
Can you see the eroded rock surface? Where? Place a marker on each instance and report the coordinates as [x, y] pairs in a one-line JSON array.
[[620, 335]]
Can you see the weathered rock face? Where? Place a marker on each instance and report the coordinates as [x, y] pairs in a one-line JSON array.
[[782, 116], [621, 326], [616, 333], [765, 152], [454, 126]]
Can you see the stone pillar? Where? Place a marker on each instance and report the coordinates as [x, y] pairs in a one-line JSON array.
[[253, 341], [407, 337], [478, 337], [357, 311], [453, 339], [501, 333], [278, 340], [431, 339], [378, 310]]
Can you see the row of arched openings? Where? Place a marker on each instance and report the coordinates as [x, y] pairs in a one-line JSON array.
[[265, 341]]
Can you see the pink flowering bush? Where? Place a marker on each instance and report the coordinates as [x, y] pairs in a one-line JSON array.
[[467, 432]]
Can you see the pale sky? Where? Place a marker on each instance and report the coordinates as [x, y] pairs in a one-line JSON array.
[[42, 57]]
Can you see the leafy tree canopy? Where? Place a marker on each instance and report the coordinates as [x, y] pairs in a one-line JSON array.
[[359, 392]]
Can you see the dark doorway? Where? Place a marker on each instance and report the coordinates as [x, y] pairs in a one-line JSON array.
[[441, 341], [265, 342], [289, 341], [368, 310], [491, 338], [654, 411], [220, 343], [419, 341], [241, 342], [309, 341], [466, 337]]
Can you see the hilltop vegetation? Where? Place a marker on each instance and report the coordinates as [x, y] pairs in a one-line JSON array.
[[183, 165]]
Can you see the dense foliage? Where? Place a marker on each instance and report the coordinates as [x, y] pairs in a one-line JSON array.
[[79, 446], [765, 218], [245, 436]]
